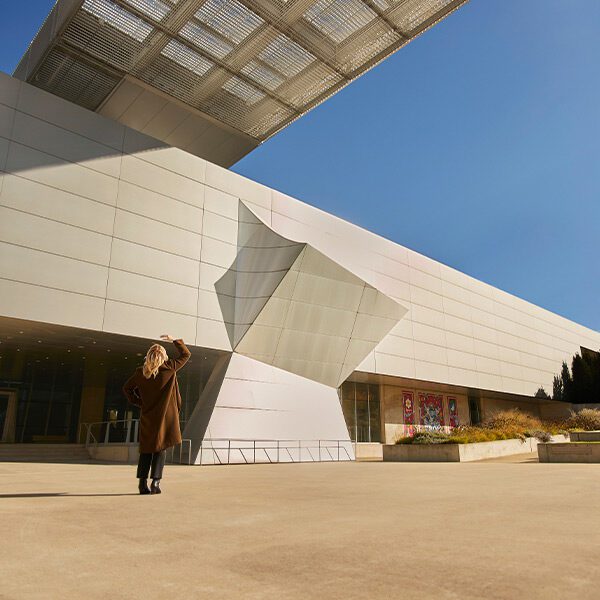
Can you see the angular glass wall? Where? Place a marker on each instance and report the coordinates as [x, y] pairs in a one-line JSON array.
[[63, 377], [362, 412]]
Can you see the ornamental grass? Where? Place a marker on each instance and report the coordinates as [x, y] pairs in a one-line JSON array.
[[587, 419], [503, 425]]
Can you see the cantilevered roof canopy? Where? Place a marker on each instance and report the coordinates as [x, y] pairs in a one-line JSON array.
[[216, 77]]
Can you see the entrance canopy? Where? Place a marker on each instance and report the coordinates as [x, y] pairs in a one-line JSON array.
[[216, 77]]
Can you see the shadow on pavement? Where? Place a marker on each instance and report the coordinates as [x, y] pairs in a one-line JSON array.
[[61, 494]]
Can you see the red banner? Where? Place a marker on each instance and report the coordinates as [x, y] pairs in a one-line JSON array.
[[408, 406]]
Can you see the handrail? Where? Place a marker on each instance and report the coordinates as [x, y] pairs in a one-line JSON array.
[[186, 441], [131, 430], [349, 441], [221, 453], [131, 423], [231, 450]]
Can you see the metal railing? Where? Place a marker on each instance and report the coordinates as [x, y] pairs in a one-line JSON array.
[[126, 431], [222, 451], [171, 452], [225, 451]]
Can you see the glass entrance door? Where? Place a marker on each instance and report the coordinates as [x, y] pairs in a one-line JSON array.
[[360, 405], [474, 410], [3, 413], [8, 413]]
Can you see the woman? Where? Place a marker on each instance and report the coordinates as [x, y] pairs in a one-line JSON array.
[[153, 387]]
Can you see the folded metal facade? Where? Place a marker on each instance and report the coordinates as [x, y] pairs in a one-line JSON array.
[[110, 232]]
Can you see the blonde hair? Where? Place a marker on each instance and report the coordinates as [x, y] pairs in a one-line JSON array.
[[155, 357]]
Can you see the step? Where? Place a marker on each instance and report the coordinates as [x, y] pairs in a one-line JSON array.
[[43, 452], [26, 454], [45, 459]]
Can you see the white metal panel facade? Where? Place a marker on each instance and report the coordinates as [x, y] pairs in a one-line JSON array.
[[107, 229]]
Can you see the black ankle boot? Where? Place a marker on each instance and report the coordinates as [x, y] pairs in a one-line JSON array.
[[154, 487], [143, 487]]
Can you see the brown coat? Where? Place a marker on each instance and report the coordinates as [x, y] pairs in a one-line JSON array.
[[160, 402]]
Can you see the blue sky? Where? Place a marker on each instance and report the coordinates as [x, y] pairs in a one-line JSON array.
[[478, 144]]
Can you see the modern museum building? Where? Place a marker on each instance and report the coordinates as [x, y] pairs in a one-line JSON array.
[[120, 221]]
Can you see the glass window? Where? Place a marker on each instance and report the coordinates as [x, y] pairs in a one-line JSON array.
[[3, 412], [374, 414], [474, 410], [50, 368], [360, 405]]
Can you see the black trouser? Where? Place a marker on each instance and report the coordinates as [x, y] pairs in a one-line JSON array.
[[155, 460]]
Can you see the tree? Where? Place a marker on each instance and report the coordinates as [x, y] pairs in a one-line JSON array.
[[593, 359], [581, 383], [557, 388], [587, 381], [567, 382], [541, 393], [581, 374]]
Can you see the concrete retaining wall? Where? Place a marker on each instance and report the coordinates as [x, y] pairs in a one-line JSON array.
[[551, 409], [368, 451], [570, 452], [585, 436], [421, 453], [123, 453], [460, 452]]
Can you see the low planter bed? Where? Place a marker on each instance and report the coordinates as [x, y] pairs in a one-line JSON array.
[[570, 452], [461, 452], [585, 436]]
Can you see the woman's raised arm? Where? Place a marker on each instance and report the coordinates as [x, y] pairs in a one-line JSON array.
[[182, 351]]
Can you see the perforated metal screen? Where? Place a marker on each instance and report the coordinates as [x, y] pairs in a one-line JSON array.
[[255, 65]]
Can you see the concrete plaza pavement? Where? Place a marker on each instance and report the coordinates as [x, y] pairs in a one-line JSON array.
[[503, 530]]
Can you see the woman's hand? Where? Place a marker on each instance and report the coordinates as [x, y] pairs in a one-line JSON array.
[[166, 337]]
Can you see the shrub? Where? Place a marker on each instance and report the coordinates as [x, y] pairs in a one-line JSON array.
[[466, 434], [503, 425], [513, 420], [587, 419], [425, 437], [541, 436], [472, 435]]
